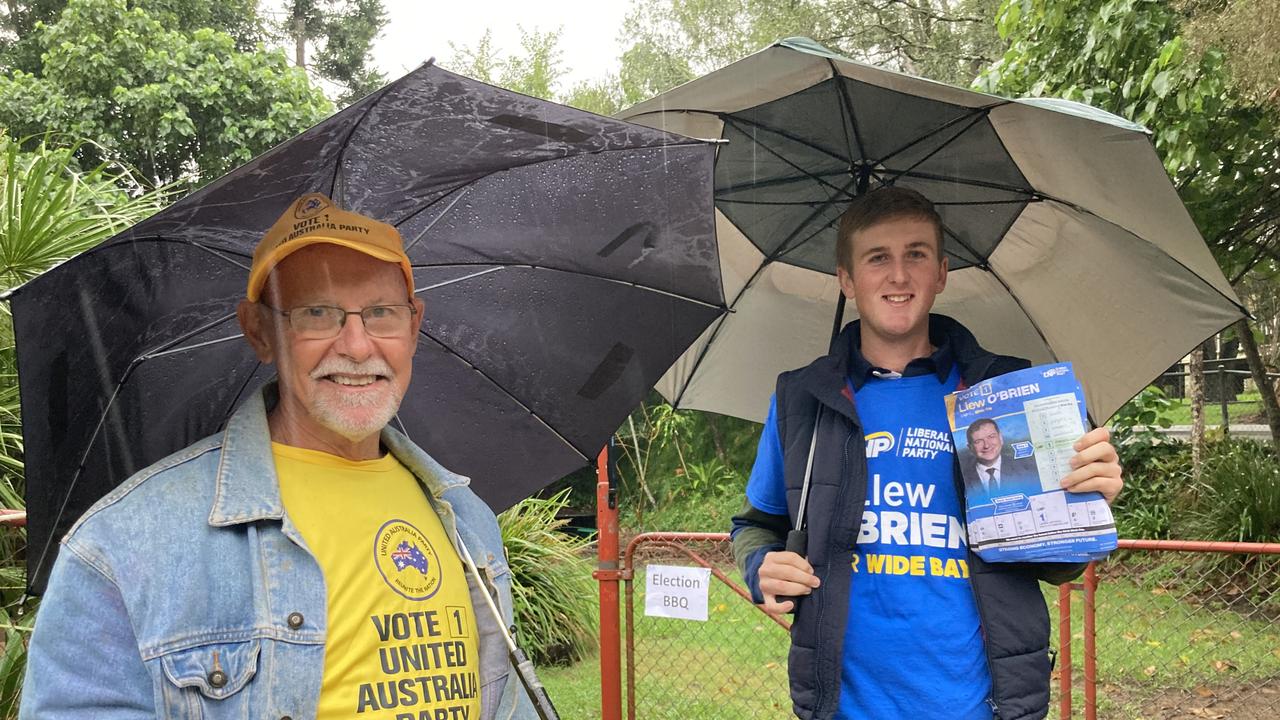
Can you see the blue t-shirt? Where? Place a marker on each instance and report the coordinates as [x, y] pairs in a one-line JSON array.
[[913, 644]]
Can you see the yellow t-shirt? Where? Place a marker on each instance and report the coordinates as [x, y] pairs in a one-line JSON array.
[[402, 633]]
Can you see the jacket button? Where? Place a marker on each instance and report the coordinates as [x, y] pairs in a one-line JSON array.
[[295, 620], [217, 679]]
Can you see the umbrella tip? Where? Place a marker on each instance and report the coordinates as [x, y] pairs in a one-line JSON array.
[[430, 61]]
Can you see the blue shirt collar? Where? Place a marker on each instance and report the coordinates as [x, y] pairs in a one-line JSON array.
[[938, 363]]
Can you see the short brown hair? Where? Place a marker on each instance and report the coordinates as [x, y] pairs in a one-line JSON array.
[[978, 424], [885, 203]]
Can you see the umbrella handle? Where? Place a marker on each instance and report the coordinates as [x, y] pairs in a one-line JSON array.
[[798, 543], [532, 685]]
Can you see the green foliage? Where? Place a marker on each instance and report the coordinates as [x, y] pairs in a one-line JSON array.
[[602, 97], [1145, 508], [1249, 32], [1238, 496], [1134, 426], [535, 70], [1131, 58], [171, 104], [344, 32], [51, 208], [555, 598], [683, 469], [673, 41]]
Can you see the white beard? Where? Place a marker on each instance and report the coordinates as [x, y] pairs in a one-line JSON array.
[[355, 418]]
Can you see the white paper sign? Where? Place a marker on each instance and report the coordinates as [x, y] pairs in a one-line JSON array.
[[673, 591]]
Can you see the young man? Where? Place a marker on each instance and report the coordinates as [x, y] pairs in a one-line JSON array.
[[304, 562], [895, 618]]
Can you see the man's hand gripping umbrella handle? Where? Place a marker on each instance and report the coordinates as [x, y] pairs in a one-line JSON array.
[[797, 537], [523, 666]]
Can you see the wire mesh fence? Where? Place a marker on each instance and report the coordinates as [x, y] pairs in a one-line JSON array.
[[1178, 634], [1183, 634], [733, 665]]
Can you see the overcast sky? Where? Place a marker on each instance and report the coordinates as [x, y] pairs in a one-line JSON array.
[[419, 29]]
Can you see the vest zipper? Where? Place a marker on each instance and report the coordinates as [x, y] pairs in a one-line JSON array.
[[982, 617], [817, 646]]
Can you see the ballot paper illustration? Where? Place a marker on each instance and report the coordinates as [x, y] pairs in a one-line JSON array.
[[1014, 436]]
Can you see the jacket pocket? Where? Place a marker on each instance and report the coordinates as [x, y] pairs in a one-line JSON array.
[[207, 681]]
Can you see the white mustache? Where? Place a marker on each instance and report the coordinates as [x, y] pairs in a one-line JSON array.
[[342, 366]]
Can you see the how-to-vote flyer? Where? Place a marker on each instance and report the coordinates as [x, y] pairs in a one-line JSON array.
[[1014, 435]]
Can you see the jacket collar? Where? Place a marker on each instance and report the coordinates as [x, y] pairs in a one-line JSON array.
[[825, 377], [246, 487]]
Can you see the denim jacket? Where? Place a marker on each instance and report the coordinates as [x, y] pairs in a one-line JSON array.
[[187, 593]]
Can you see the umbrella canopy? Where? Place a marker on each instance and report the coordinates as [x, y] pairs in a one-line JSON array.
[[565, 261], [1065, 238]]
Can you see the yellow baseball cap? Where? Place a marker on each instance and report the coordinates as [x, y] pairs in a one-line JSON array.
[[313, 218]]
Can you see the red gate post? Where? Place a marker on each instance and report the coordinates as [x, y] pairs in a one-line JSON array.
[[1090, 642], [607, 574], [1064, 651]]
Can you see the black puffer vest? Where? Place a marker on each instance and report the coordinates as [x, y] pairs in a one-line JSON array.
[[1015, 621]]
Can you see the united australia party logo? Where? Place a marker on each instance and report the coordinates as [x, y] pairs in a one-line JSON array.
[[406, 560]]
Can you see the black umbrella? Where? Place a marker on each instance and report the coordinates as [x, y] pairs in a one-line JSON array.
[[565, 260]]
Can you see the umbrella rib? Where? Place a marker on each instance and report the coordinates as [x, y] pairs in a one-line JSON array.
[[771, 182], [166, 347], [346, 141], [735, 119], [848, 108], [471, 181], [982, 262], [769, 259], [976, 118], [239, 393], [216, 254], [459, 195], [197, 346], [1034, 325], [1142, 239], [786, 246], [93, 437], [504, 391], [1030, 192], [496, 266], [84, 458], [730, 309]]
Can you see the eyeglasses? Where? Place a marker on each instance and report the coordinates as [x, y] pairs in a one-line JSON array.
[[320, 322]]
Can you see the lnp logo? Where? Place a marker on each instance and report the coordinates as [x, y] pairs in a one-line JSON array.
[[406, 560], [309, 206], [878, 442]]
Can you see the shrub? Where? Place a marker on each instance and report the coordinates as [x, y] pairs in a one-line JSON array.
[[1152, 466], [554, 595], [1238, 496]]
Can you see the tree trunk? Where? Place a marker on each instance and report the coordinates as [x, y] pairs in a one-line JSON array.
[[1195, 378], [300, 42], [717, 438], [1259, 372]]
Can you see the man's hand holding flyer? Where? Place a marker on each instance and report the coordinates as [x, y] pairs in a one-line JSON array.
[[1013, 436]]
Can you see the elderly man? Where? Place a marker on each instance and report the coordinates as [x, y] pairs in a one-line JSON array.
[[305, 562], [897, 618]]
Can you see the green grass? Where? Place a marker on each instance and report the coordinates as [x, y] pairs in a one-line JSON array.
[[1151, 644], [1247, 408]]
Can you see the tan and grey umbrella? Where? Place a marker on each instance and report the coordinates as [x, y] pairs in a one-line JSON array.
[[1065, 237]]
